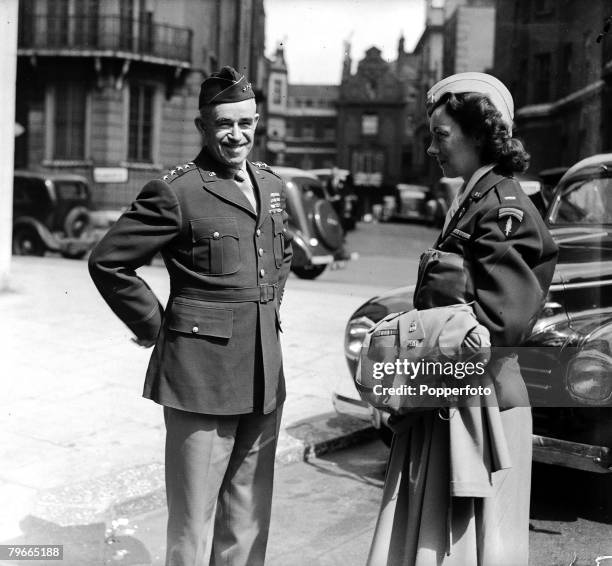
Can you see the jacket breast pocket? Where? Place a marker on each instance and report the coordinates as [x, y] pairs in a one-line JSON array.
[[279, 244], [190, 316], [216, 245]]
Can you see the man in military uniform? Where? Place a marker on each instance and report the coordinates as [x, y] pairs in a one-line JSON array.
[[216, 367]]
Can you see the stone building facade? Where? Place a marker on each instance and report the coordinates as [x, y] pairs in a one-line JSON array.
[[459, 36], [374, 129], [302, 120], [108, 88], [560, 75]]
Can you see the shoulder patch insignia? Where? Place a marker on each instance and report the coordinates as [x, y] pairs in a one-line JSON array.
[[509, 219]]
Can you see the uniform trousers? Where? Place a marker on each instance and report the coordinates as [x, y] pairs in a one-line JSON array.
[[222, 462]]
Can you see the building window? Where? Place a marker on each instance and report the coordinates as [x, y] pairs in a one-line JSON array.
[[369, 124], [368, 166], [542, 77], [543, 7], [329, 132], [69, 121], [308, 130], [141, 123], [566, 68], [277, 92]]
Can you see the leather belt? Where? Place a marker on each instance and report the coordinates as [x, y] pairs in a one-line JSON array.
[[260, 294]]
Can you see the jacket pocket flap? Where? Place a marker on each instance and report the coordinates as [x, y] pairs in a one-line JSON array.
[[192, 317], [215, 228]]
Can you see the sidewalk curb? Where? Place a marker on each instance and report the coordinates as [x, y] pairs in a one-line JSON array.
[[140, 490]]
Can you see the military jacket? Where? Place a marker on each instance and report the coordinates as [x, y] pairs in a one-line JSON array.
[[217, 345], [509, 258]]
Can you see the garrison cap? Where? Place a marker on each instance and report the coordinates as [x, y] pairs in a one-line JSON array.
[[226, 85], [482, 83]]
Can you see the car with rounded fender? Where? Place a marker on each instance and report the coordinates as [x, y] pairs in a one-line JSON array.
[[340, 192], [315, 229], [52, 212], [567, 360]]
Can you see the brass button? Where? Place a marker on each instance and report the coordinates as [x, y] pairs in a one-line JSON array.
[[195, 329], [216, 235], [260, 251], [258, 232], [262, 272]]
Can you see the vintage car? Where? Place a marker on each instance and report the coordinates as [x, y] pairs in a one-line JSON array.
[[341, 194], [318, 238], [408, 203], [567, 360], [51, 212]]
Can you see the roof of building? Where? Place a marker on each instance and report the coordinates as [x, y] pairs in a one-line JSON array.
[[329, 92]]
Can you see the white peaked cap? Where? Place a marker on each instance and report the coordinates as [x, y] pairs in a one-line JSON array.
[[482, 83]]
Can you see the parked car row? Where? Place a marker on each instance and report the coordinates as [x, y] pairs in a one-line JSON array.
[[567, 360], [53, 212]]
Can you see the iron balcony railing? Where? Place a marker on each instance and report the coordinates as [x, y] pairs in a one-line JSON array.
[[105, 33]]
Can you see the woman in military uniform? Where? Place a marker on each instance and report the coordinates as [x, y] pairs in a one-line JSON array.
[[458, 482]]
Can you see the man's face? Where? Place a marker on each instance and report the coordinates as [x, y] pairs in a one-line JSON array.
[[228, 131]]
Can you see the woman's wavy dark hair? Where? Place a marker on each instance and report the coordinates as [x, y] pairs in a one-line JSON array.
[[479, 118]]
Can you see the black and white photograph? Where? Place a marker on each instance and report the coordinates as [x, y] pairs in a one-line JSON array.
[[306, 282]]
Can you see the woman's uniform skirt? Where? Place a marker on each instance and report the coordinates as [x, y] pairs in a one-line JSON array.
[[422, 524]]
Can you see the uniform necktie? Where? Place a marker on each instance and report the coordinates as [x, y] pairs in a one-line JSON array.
[[244, 184]]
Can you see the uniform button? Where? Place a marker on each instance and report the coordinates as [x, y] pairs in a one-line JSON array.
[[260, 251], [258, 232], [262, 272], [216, 235], [195, 330]]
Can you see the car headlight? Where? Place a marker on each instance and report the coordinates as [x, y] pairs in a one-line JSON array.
[[589, 377], [355, 334]]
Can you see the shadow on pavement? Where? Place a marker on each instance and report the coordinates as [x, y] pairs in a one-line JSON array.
[[84, 545]]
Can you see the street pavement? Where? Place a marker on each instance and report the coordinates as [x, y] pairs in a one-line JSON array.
[[81, 451], [79, 441]]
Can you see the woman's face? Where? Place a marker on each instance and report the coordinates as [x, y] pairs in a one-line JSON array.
[[458, 155]]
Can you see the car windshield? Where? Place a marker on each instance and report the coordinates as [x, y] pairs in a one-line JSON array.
[[69, 190], [310, 188], [584, 202]]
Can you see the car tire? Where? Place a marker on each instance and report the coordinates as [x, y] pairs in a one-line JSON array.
[[309, 272], [77, 222], [327, 224], [26, 241]]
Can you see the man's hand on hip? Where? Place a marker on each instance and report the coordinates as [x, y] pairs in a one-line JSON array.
[[143, 342]]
